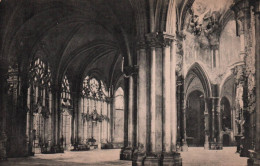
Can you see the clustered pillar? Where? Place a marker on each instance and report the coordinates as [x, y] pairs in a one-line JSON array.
[[156, 101]]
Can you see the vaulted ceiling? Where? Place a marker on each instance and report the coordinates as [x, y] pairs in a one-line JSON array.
[[75, 37]]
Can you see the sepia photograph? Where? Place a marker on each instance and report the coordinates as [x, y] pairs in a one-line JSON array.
[[130, 82]]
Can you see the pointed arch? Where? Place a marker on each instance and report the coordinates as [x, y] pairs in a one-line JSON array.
[[197, 71]]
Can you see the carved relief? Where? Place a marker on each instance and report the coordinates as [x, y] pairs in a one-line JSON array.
[[207, 30]]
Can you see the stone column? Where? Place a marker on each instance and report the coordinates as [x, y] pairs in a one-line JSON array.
[[75, 120], [206, 115], [109, 120], [3, 107], [80, 119], [170, 156], [257, 63], [213, 134], [130, 111], [53, 119], [181, 102], [126, 111], [184, 138], [135, 107], [218, 114], [59, 123], [123, 153], [126, 152], [167, 110], [112, 109], [255, 155], [173, 96], [155, 44], [179, 117], [140, 152]]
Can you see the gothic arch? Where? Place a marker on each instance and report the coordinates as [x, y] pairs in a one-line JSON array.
[[228, 77], [197, 71]]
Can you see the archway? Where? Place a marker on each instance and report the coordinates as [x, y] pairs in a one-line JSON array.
[[195, 119], [118, 119]]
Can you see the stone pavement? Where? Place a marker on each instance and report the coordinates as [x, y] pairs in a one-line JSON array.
[[195, 156]]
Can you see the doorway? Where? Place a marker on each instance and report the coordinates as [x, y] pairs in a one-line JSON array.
[[195, 125]]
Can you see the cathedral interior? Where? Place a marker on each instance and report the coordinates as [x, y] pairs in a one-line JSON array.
[[153, 78]]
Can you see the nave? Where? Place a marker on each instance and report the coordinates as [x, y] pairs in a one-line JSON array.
[[153, 78]]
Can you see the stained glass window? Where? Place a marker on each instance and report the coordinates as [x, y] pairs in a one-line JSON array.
[[39, 101], [93, 88], [40, 74], [65, 89]]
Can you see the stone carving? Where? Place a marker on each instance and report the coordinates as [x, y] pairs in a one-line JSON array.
[[238, 72], [207, 29]]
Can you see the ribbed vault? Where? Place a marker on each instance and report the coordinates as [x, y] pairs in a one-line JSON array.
[[72, 36]]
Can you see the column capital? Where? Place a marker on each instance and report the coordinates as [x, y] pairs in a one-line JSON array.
[[215, 46], [159, 39], [180, 36], [167, 39], [130, 70]]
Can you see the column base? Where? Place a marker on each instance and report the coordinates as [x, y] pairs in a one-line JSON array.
[[219, 146], [184, 147], [83, 147], [170, 159], [57, 149], [206, 146], [153, 160], [138, 158], [107, 146], [126, 153], [244, 152], [254, 159], [117, 145], [214, 146]]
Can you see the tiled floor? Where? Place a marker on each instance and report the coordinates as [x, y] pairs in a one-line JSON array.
[[194, 157]]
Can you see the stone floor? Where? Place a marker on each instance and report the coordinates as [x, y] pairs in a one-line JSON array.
[[194, 157], [197, 156]]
